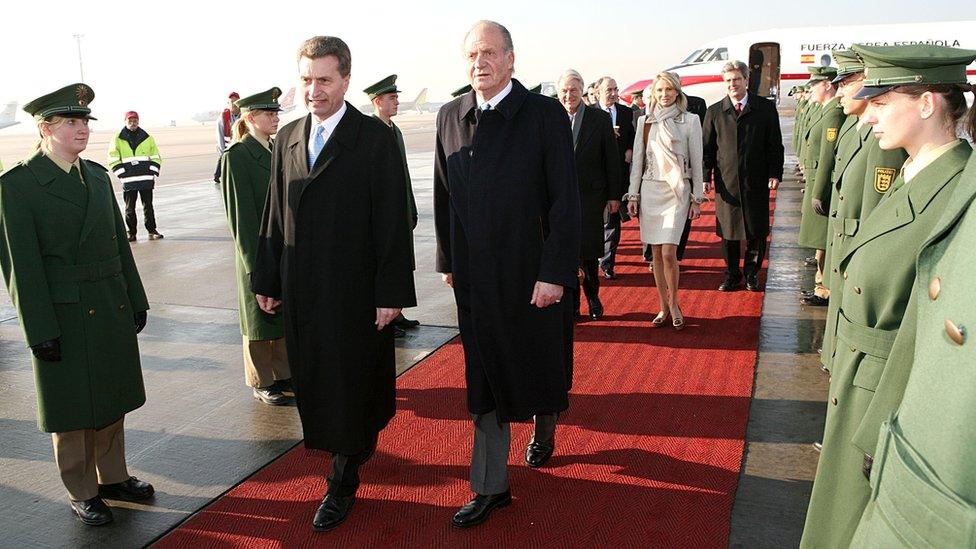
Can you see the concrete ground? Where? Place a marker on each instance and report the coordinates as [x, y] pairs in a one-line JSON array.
[[201, 432]]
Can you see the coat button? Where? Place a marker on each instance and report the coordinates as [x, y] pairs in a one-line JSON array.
[[853, 349], [91, 312], [935, 287], [845, 275], [114, 237], [857, 290], [834, 401], [122, 307], [956, 333], [841, 197], [840, 235], [835, 269]]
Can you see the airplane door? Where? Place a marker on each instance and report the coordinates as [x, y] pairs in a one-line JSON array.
[[764, 66]]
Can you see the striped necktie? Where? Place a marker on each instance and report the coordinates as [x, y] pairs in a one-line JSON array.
[[318, 143]]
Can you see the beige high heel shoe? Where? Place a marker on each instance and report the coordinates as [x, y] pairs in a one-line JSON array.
[[660, 319], [678, 321]]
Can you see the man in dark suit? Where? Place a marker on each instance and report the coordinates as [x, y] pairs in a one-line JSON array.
[[507, 219], [743, 155], [334, 250], [622, 117], [597, 168]]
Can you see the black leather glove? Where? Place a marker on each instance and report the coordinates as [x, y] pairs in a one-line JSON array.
[[48, 351], [140, 319], [818, 206]]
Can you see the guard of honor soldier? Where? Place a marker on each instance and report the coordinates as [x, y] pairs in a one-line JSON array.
[[916, 98], [76, 289], [245, 173]]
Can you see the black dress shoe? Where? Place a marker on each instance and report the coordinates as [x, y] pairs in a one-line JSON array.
[[130, 489], [271, 395], [596, 309], [815, 301], [608, 274], [806, 293], [538, 453], [752, 283], [730, 284], [332, 512], [405, 323], [131, 237], [153, 235], [477, 510], [810, 261], [92, 512]]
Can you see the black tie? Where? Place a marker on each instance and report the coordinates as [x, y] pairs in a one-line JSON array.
[[271, 145], [76, 174]]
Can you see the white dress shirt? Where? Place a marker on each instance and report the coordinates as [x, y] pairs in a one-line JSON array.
[[329, 125], [494, 101]]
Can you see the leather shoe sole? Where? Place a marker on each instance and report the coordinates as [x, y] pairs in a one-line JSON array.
[[270, 396], [479, 509], [332, 512], [538, 453]]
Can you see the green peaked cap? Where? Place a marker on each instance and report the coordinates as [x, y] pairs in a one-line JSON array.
[[263, 101], [821, 73], [536, 89], [888, 66], [461, 91], [387, 85], [70, 101], [848, 63]]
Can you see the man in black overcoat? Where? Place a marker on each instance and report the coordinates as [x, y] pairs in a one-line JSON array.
[[743, 151], [335, 253], [597, 169], [623, 121], [507, 219]]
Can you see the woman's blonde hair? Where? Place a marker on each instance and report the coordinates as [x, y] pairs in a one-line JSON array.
[[241, 127], [52, 123], [671, 78]]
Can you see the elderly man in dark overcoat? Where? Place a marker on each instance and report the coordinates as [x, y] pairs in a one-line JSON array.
[[334, 251], [507, 218], [743, 155]]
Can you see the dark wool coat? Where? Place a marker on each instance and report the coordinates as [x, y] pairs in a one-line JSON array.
[[743, 153], [335, 245], [71, 276], [598, 171], [507, 214]]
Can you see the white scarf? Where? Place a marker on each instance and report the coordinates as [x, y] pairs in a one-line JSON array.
[[666, 136]]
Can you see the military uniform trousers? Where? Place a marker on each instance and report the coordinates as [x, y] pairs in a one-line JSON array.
[[265, 361], [89, 457], [492, 443]]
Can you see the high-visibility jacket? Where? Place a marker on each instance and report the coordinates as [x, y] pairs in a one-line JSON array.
[[136, 167]]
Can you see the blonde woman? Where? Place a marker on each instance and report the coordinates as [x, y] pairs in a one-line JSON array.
[[245, 174], [72, 279], [666, 186]]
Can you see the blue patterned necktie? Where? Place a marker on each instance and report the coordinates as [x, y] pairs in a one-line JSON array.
[[318, 143]]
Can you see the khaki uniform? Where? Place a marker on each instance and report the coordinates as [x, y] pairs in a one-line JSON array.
[[875, 341]]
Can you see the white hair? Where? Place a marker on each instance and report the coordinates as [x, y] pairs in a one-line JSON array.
[[570, 74]]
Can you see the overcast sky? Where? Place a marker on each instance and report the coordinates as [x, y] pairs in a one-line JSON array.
[[170, 62]]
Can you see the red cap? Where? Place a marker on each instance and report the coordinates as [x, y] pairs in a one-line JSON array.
[[131, 114], [234, 95]]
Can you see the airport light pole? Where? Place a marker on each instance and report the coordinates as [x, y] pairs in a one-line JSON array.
[[81, 67]]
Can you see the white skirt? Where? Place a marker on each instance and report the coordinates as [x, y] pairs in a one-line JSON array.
[[663, 211]]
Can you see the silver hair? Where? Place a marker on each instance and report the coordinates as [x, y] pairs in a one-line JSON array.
[[506, 36], [736, 65], [602, 81], [570, 74]]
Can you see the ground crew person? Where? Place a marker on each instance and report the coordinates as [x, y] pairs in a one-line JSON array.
[[862, 173], [245, 174], [925, 454], [134, 158], [225, 129], [70, 274], [915, 102], [822, 130], [385, 98]]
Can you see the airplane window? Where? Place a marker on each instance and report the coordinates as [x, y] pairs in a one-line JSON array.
[[704, 54], [721, 54], [691, 57]]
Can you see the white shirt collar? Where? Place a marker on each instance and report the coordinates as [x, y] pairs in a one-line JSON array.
[[743, 101], [494, 101], [329, 124]]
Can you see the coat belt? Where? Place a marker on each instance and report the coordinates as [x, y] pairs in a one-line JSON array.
[[84, 272], [873, 341]]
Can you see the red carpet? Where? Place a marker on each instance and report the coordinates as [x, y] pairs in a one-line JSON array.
[[648, 454]]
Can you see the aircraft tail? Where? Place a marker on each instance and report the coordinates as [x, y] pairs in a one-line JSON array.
[[9, 113], [288, 101], [421, 101]]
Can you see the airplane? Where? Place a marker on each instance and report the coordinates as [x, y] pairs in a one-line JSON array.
[[8, 115], [419, 105], [778, 58], [287, 103]]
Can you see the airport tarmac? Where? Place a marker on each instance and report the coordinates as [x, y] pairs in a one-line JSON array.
[[201, 432]]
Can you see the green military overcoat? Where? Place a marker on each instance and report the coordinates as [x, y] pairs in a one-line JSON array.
[[71, 276], [875, 342], [818, 165], [923, 483], [812, 111], [245, 174], [863, 173], [801, 106]]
